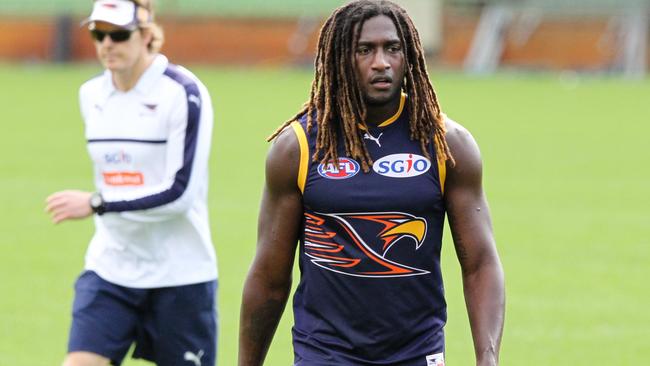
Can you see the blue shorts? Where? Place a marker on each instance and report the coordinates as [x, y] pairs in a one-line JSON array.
[[170, 326]]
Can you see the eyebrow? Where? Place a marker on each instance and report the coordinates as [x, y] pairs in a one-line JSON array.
[[389, 41]]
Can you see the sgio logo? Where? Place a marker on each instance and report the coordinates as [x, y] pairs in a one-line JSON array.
[[346, 168], [117, 157], [401, 165]]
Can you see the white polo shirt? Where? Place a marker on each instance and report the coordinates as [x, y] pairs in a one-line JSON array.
[[150, 148]]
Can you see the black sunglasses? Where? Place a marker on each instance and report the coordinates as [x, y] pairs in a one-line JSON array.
[[116, 36]]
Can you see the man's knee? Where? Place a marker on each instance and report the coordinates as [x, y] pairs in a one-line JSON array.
[[85, 359]]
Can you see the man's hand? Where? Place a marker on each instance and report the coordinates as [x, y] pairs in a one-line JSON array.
[[68, 205]]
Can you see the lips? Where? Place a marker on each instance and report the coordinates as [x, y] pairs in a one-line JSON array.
[[381, 82], [381, 79]]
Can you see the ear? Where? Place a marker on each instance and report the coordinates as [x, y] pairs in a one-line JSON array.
[[147, 36]]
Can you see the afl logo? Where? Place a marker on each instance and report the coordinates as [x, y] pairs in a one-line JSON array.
[[401, 165], [346, 168]]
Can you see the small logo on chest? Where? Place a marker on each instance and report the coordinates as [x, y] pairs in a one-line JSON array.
[[195, 358], [148, 110], [123, 178], [118, 157], [368, 136], [346, 168]]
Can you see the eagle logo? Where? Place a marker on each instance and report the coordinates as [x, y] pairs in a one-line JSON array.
[[341, 242]]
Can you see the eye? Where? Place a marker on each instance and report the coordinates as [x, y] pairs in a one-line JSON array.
[[394, 48], [363, 50]]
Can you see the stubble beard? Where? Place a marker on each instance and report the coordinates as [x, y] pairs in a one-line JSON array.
[[381, 101]]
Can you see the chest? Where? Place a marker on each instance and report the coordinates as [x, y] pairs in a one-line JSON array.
[[402, 178], [128, 116], [127, 137]]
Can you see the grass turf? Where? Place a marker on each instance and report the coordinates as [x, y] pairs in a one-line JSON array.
[[566, 173]]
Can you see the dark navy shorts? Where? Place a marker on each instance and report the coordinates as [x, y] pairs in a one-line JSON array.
[[170, 326]]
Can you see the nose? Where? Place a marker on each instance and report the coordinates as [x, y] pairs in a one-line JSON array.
[[380, 61], [107, 41]]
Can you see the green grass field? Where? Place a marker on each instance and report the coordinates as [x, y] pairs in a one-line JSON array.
[[566, 172]]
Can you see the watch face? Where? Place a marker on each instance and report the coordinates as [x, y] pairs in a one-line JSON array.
[[95, 200], [97, 203]]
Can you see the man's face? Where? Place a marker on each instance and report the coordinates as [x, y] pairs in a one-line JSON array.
[[379, 61], [119, 55]]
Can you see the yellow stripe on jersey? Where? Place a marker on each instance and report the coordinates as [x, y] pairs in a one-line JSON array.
[[391, 119], [442, 164], [304, 155], [442, 172]]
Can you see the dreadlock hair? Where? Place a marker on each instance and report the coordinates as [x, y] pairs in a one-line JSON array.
[[336, 95]]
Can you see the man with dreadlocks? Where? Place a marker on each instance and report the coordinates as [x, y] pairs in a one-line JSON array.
[[362, 177]]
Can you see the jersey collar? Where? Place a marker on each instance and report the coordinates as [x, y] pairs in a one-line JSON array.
[[392, 119], [146, 81]]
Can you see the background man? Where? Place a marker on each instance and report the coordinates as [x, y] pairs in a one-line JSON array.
[[150, 276]]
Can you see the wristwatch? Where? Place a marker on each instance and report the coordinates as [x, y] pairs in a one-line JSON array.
[[97, 203]]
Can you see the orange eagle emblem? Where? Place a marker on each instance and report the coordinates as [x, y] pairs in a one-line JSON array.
[[358, 244]]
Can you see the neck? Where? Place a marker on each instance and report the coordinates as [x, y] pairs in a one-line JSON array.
[[376, 114], [125, 80]]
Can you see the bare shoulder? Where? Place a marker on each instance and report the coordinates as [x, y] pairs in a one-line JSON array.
[[463, 148], [283, 159], [458, 137]]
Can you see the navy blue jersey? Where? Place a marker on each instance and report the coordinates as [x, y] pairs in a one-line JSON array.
[[371, 290]]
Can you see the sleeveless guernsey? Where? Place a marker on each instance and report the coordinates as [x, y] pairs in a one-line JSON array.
[[371, 290]]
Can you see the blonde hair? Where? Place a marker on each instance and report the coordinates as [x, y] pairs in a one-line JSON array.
[[146, 21]]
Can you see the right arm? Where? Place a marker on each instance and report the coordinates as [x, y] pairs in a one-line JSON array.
[[268, 283], [71, 204], [188, 149]]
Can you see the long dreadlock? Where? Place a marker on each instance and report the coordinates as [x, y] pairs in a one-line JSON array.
[[336, 95]]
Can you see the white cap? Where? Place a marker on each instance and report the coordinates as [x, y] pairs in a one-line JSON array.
[[123, 13]]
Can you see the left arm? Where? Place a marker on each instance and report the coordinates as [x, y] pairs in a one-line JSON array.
[[471, 228], [188, 151]]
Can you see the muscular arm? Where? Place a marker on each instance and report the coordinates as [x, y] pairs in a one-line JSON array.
[[471, 228], [268, 283]]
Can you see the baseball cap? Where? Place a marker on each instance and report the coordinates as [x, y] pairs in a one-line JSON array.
[[123, 13]]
